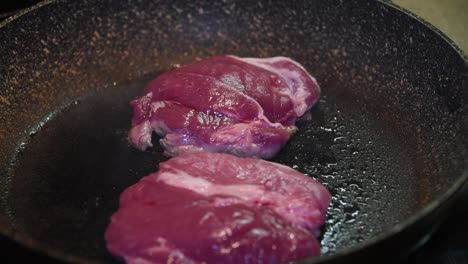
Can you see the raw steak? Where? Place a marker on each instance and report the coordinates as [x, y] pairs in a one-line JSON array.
[[242, 106], [218, 208]]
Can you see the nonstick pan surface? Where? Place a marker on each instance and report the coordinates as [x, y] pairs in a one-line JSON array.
[[388, 137]]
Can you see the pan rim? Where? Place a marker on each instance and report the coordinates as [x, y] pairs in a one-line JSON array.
[[25, 11], [452, 192], [436, 203], [426, 23]]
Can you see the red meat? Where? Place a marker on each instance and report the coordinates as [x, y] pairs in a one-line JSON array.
[[247, 95], [217, 208]]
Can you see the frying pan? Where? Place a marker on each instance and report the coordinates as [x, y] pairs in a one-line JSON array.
[[388, 137]]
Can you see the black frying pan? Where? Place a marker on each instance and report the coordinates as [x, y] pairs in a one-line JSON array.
[[388, 137]]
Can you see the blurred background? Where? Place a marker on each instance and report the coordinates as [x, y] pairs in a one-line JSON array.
[[450, 16]]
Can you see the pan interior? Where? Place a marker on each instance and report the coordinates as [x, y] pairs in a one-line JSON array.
[[68, 175]]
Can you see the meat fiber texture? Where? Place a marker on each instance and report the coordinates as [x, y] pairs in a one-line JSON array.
[[242, 106], [218, 208]]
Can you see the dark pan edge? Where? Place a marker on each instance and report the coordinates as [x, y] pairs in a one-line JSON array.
[[430, 26], [446, 198], [25, 11], [19, 240], [452, 193]]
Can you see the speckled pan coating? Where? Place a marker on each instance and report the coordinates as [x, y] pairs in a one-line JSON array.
[[365, 54]]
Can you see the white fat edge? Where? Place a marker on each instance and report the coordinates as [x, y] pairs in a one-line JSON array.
[[280, 58], [263, 63], [157, 105], [314, 80], [186, 149], [225, 201], [142, 134], [301, 92], [184, 180], [160, 127], [275, 125], [244, 192], [150, 95], [206, 188], [255, 62]]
